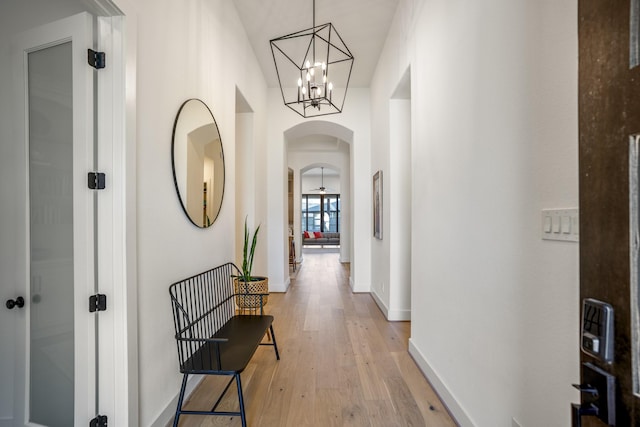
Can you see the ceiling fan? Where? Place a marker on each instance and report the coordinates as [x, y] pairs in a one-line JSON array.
[[322, 189]]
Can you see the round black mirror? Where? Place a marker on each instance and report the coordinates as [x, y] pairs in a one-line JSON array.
[[198, 162]]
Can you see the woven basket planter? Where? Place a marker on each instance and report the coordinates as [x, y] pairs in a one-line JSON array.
[[260, 285]]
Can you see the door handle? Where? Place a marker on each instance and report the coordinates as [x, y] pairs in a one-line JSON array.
[[597, 396], [18, 302], [578, 411]]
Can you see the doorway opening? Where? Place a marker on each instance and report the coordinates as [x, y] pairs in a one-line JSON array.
[[392, 255]]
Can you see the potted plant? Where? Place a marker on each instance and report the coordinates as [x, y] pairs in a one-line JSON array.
[[245, 283]]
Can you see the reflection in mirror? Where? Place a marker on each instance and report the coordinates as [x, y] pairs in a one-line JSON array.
[[198, 163]]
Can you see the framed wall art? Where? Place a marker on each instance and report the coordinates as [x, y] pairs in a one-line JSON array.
[[377, 205]]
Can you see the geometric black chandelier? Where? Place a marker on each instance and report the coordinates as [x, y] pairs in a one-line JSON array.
[[313, 68]]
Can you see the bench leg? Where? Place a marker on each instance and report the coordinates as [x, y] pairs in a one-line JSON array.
[[180, 399], [241, 401], [275, 346]]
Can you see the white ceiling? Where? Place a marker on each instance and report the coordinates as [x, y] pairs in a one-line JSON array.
[[362, 24]]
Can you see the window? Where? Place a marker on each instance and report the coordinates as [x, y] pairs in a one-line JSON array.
[[321, 212]]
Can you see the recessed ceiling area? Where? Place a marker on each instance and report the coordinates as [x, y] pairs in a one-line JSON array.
[[362, 24], [327, 172]]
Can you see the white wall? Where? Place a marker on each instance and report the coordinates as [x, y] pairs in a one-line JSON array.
[[391, 154], [356, 117], [494, 113], [311, 182], [397, 201], [245, 178], [195, 49]]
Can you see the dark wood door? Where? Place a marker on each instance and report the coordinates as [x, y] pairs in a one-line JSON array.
[[609, 114]]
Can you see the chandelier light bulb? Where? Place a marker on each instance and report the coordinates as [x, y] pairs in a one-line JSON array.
[[299, 82], [308, 77], [330, 86], [307, 64], [319, 91], [304, 90], [324, 66]]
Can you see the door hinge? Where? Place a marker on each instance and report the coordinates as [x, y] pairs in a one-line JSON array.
[[96, 180], [97, 302], [96, 59], [99, 421]]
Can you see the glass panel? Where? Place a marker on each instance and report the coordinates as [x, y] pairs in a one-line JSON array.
[[333, 222], [51, 375], [313, 212], [634, 34], [634, 249], [332, 210]]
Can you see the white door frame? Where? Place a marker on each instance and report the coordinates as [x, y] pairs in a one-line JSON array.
[[117, 225]]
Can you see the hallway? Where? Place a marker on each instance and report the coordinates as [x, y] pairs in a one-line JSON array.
[[341, 362]]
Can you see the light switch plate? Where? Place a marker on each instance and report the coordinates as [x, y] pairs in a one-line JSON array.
[[564, 224]]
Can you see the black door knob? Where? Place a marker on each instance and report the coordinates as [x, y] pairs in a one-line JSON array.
[[18, 302]]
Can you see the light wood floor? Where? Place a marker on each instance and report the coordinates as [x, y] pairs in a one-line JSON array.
[[342, 363]]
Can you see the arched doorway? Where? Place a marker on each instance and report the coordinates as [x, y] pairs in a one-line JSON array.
[[312, 146]]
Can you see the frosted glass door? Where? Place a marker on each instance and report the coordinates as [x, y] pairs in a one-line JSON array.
[[51, 319], [54, 379]]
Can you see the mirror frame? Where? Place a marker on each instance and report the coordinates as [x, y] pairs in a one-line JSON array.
[[173, 162]]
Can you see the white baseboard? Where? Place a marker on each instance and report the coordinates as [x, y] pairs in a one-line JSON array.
[[391, 315], [357, 288], [381, 305], [165, 419], [279, 287], [399, 316], [458, 413]]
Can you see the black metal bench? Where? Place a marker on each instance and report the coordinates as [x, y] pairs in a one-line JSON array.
[[212, 339]]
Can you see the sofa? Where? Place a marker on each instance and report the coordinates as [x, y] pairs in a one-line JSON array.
[[317, 238]]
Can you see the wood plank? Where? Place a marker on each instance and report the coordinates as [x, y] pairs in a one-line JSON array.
[[328, 410], [429, 404], [382, 414]]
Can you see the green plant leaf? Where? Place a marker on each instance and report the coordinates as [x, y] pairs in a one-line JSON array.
[[248, 253]]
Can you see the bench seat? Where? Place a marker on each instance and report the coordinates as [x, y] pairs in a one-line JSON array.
[[243, 332]]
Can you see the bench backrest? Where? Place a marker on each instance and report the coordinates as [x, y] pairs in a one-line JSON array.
[[201, 305]]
